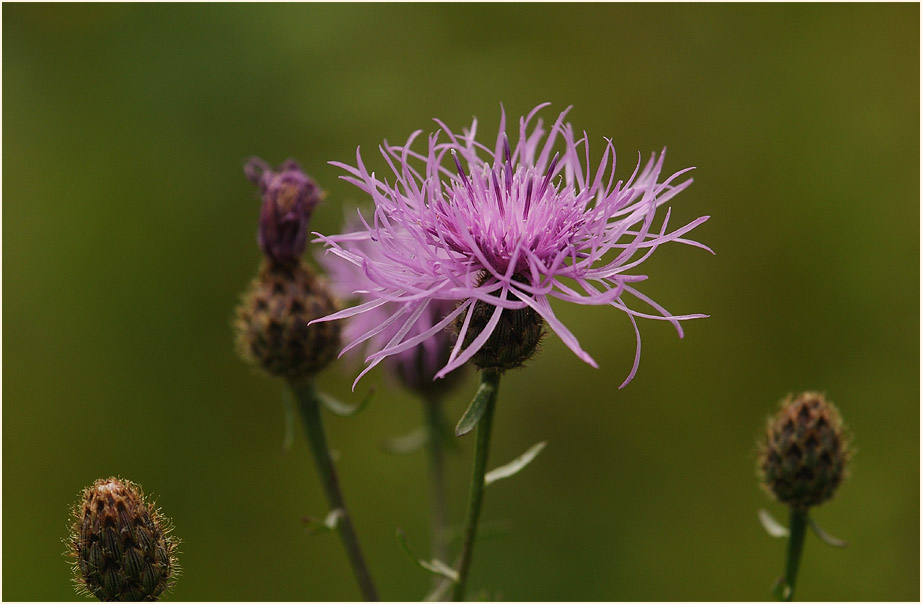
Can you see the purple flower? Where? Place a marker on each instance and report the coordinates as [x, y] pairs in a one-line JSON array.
[[502, 229], [415, 367], [289, 197]]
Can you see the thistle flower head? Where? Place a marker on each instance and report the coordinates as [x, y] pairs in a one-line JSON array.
[[288, 199], [120, 544], [804, 455], [505, 228]]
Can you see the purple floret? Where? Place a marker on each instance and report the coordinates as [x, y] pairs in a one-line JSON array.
[[289, 197], [413, 366]]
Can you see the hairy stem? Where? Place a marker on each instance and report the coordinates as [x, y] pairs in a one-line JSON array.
[[309, 406], [488, 378], [795, 548]]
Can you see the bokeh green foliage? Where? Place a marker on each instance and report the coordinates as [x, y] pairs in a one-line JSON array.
[[129, 234]]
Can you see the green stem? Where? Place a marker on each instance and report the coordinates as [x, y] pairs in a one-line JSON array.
[[435, 423], [488, 378], [309, 406], [795, 548]]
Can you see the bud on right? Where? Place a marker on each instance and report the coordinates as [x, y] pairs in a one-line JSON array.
[[804, 455], [514, 340]]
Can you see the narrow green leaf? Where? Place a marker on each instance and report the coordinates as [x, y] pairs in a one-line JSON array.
[[514, 466], [824, 536], [781, 590], [288, 408], [772, 526], [440, 568], [441, 590], [436, 567], [475, 410], [409, 443], [332, 518], [405, 544], [341, 409], [315, 526]]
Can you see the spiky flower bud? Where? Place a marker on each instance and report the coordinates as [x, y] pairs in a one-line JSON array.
[[272, 322], [288, 200], [804, 456], [120, 544], [512, 342]]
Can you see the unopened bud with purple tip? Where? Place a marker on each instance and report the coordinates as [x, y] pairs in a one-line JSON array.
[[288, 200], [272, 324]]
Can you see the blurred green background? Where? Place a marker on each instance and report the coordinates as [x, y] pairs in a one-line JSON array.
[[129, 233]]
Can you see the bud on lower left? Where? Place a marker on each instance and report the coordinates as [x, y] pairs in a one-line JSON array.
[[121, 545]]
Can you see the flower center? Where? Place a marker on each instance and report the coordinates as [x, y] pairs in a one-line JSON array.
[[498, 216]]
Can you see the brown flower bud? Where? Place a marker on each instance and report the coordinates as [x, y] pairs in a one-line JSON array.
[[120, 544], [804, 456], [514, 340], [272, 322]]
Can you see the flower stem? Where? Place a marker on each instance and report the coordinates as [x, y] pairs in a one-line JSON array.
[[309, 406], [435, 424], [489, 378], [795, 548]]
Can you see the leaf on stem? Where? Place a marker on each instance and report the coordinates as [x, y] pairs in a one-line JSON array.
[[772, 526], [436, 567], [475, 410], [824, 536], [315, 526], [514, 466], [409, 443], [441, 590], [341, 409], [781, 591]]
